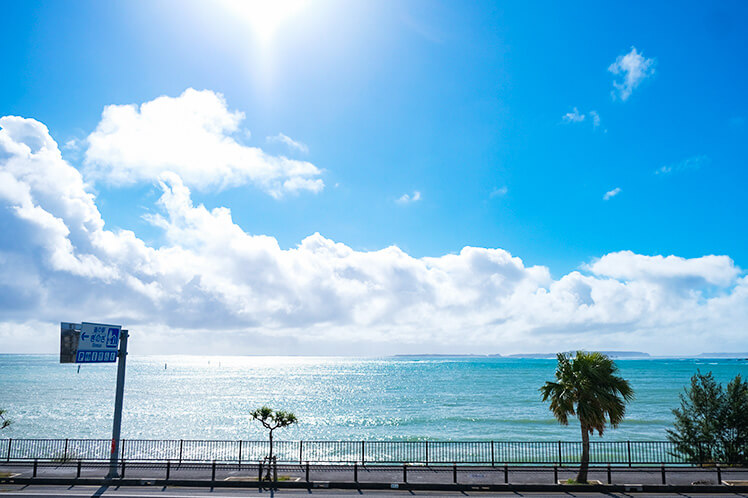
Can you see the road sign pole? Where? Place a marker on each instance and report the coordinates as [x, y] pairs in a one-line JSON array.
[[121, 360]]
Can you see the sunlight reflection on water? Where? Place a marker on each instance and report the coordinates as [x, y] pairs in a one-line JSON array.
[[334, 398]]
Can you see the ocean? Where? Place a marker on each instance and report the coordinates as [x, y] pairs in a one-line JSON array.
[[401, 398]]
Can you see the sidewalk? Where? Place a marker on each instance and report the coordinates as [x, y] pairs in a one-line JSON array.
[[380, 475]]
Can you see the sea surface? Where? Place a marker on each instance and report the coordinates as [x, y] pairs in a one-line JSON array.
[[200, 397]]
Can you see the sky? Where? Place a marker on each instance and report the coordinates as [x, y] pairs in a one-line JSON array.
[[372, 178]]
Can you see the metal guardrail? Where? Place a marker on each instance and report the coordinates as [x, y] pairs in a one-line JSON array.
[[364, 452], [476, 476]]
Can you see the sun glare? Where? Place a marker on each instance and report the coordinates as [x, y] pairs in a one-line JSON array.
[[265, 16]]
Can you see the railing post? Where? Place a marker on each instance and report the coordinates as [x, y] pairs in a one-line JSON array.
[[10, 441], [240, 454], [122, 474], [181, 443], [65, 453], [168, 469], [427, 453], [493, 460], [301, 452], [628, 446], [560, 460], [363, 452]]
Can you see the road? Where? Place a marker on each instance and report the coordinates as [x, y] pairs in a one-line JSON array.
[[386, 474]]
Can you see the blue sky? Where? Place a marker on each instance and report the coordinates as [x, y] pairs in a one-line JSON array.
[[429, 126]]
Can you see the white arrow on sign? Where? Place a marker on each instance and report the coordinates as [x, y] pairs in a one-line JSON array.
[[99, 337]]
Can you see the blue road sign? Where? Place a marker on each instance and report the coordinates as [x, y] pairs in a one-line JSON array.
[[98, 343]]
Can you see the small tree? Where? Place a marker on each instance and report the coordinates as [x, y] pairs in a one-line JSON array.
[[711, 424], [587, 386], [697, 420], [272, 420], [734, 433], [4, 422]]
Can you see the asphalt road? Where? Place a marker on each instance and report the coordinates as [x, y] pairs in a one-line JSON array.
[[172, 492]]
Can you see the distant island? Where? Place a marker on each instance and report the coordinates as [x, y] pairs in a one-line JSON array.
[[612, 354], [542, 356]]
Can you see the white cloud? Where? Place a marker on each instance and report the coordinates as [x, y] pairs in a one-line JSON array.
[[289, 142], [73, 144], [211, 279], [633, 69], [695, 162], [409, 198], [191, 135], [576, 117], [611, 193], [706, 270], [573, 117]]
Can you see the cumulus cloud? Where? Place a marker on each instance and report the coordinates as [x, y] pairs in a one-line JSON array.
[[633, 68], [213, 287], [191, 135], [409, 198], [691, 273], [691, 163], [611, 193], [289, 142]]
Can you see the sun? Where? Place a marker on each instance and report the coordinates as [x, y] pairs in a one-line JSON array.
[[265, 16]]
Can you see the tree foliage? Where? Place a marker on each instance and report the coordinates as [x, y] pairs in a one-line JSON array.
[[587, 386], [4, 421], [272, 420], [711, 424]]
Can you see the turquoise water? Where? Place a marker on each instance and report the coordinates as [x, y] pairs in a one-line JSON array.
[[199, 397]]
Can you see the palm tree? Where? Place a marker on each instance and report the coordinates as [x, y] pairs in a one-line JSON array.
[[272, 420], [587, 386]]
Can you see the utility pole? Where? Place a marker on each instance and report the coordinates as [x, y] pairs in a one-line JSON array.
[[120, 393]]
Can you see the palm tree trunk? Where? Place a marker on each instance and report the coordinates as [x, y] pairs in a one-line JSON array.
[[585, 463]]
